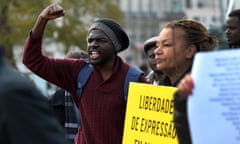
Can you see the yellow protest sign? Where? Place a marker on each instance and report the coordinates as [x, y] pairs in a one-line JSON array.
[[149, 115]]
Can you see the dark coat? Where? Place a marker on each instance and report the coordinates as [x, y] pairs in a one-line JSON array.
[[57, 101], [181, 120], [25, 114], [180, 112]]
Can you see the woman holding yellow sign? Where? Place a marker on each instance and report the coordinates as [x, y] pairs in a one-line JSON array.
[[177, 44]]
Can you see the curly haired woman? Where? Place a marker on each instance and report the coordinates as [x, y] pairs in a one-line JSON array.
[[177, 44]]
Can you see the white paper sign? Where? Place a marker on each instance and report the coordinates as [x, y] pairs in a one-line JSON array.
[[214, 107]]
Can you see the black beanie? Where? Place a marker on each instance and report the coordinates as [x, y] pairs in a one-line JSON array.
[[149, 43], [114, 31]]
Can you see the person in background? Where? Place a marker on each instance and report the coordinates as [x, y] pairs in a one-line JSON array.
[[177, 44], [102, 105], [154, 76], [25, 114], [186, 86], [64, 107], [233, 29]]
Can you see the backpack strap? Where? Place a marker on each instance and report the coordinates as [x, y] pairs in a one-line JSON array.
[[133, 75], [83, 77]]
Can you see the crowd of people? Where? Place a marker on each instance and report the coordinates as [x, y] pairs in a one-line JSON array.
[[97, 117]]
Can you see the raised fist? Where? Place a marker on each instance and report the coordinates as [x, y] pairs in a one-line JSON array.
[[52, 11]]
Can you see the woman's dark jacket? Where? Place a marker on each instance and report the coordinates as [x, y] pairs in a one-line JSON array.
[[180, 112]]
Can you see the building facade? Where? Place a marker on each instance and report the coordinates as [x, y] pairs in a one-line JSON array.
[[145, 18]]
